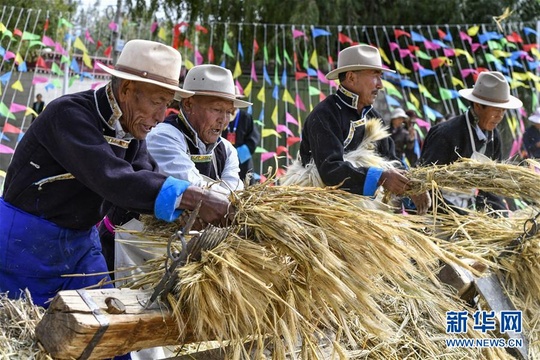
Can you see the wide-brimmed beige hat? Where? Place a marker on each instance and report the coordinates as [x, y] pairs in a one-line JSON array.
[[398, 113], [535, 116], [492, 89], [150, 62], [357, 57], [213, 80]]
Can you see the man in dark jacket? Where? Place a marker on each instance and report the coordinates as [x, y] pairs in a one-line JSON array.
[[336, 126], [85, 153], [473, 135]]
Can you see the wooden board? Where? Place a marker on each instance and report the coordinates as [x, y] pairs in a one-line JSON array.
[[70, 324]]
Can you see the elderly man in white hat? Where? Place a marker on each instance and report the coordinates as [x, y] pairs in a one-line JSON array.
[[473, 135], [85, 153], [531, 137], [337, 126], [188, 145]]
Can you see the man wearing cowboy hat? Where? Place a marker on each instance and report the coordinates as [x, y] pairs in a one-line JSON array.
[[473, 134], [188, 145], [531, 137], [85, 153], [337, 126]]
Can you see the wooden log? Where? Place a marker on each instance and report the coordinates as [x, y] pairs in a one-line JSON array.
[[98, 324]]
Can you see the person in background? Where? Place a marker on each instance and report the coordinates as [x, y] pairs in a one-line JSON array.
[[38, 106], [337, 126], [401, 135], [86, 154], [531, 137], [473, 135], [245, 136]]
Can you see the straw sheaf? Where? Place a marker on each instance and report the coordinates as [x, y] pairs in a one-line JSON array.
[[301, 260]]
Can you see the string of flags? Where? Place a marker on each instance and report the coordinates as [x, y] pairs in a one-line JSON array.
[[282, 68]]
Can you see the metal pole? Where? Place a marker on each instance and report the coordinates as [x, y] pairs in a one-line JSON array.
[[67, 64], [117, 19]]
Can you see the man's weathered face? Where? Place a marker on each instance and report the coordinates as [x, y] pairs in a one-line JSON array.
[[208, 115], [143, 106], [488, 116], [366, 84]]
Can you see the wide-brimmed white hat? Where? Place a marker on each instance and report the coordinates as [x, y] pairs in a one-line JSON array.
[[357, 57], [492, 89], [213, 80], [150, 62], [397, 113], [535, 116]]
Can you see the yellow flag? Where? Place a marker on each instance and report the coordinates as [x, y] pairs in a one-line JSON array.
[[537, 85], [533, 77], [512, 124], [383, 56], [188, 64], [456, 82], [30, 111], [287, 97], [516, 83], [78, 44], [18, 59], [260, 95], [535, 52], [469, 57], [274, 116], [237, 70], [414, 100], [269, 132], [162, 34], [500, 53], [402, 69], [17, 86], [473, 30], [247, 89], [520, 76], [2, 27], [313, 60], [87, 61]]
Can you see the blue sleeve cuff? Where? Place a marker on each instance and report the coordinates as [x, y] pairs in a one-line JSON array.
[[165, 205], [372, 179], [243, 153]]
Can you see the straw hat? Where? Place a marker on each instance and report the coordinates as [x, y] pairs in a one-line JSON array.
[[397, 113], [492, 89], [357, 57], [213, 80], [535, 116], [150, 62]]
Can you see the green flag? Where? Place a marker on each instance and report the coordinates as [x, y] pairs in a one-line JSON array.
[[314, 91], [286, 56], [55, 69], [4, 111], [29, 36], [227, 49]]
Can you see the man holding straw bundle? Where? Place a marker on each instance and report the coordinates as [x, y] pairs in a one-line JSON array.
[[340, 125], [473, 135]]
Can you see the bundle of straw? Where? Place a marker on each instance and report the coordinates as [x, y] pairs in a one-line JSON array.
[[18, 321], [499, 178], [300, 261]]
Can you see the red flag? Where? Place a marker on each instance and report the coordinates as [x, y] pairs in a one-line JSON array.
[[210, 55], [398, 33], [187, 44], [201, 28], [528, 47], [46, 26], [413, 48], [282, 149], [291, 140], [176, 36], [300, 75], [296, 61], [330, 61], [8, 128], [437, 62], [441, 33], [99, 44], [41, 63], [321, 96], [255, 46], [514, 37], [343, 38], [17, 32], [108, 51]]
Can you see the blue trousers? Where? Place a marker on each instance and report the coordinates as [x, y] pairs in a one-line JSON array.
[[36, 253]]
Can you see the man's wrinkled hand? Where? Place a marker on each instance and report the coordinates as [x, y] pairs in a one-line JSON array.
[[216, 209], [422, 202]]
